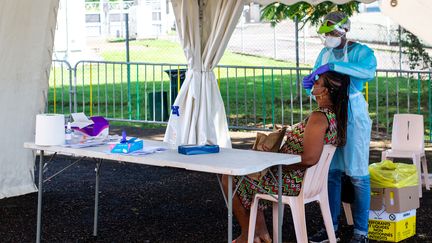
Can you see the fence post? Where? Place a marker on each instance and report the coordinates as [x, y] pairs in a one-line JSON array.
[[75, 87], [400, 47], [297, 58], [274, 42], [71, 92], [418, 93], [241, 36], [128, 67], [429, 108]]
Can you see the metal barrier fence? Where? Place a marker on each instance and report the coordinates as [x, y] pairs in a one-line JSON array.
[[255, 98], [61, 89]]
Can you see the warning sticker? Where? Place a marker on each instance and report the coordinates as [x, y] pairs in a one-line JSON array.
[[390, 230]]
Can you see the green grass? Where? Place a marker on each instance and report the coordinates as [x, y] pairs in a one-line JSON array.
[[258, 97], [164, 51], [258, 101]]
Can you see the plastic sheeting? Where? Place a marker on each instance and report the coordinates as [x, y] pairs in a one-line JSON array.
[[387, 174], [27, 34], [202, 117]]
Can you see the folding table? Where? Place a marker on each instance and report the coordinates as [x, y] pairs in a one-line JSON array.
[[230, 162]]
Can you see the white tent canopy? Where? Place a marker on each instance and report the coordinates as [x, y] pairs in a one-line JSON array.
[[27, 35], [205, 26], [413, 15]]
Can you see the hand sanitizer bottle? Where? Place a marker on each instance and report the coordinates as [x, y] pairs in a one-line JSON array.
[[68, 134], [175, 115]]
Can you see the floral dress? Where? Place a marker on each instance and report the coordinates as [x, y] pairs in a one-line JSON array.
[[292, 178]]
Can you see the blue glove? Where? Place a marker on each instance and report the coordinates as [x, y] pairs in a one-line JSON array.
[[309, 80]]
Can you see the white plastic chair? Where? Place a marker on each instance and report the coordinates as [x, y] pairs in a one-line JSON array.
[[314, 188], [408, 142]]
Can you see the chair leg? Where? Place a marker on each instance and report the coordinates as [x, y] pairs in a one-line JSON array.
[[252, 219], [348, 213], [275, 220], [299, 219], [416, 161], [425, 172], [328, 222]]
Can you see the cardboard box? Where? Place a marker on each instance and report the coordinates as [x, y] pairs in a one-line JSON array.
[[395, 200], [392, 227]]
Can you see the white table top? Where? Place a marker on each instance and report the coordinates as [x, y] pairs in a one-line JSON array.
[[227, 161]]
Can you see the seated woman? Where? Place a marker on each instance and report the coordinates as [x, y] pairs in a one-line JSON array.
[[325, 125]]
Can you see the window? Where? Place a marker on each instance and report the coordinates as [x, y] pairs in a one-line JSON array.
[[114, 17], [167, 5], [156, 16], [92, 18]]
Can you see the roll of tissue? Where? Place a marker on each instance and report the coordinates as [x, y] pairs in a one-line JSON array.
[[50, 129]]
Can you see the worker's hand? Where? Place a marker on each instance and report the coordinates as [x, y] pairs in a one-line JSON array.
[[310, 79]]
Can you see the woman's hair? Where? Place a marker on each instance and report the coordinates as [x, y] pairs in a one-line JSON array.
[[338, 87]]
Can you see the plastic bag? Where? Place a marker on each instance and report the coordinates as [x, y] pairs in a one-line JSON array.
[[388, 174]]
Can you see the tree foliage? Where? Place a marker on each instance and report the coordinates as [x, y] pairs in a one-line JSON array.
[[304, 12], [414, 48]]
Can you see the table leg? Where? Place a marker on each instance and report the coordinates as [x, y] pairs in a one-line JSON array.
[[230, 197], [39, 207], [280, 205], [96, 207]]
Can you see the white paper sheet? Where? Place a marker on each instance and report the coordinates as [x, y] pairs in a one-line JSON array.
[[80, 120]]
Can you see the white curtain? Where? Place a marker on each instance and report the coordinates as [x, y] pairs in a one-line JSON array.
[[27, 32], [413, 15], [202, 118]]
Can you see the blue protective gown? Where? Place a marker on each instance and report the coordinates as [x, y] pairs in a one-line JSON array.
[[360, 65]]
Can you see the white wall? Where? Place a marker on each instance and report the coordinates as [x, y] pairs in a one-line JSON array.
[[70, 31]]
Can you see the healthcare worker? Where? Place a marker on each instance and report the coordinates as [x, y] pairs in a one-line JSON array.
[[359, 62]]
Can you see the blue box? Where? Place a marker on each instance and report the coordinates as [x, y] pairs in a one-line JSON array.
[[128, 146], [198, 149]]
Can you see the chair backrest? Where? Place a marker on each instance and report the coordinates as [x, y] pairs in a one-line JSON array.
[[316, 176], [408, 132]]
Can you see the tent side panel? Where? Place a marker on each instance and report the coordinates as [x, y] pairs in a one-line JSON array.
[[27, 33]]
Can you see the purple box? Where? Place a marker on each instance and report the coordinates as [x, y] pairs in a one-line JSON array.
[[99, 127]]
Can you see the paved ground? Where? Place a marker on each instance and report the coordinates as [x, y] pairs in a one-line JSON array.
[[147, 204]]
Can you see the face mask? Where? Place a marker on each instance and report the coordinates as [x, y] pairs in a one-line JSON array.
[[311, 93], [332, 41], [314, 97]]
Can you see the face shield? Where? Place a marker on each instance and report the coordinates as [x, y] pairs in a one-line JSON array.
[[331, 33], [329, 25]]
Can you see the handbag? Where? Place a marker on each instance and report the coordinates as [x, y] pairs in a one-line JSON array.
[[267, 143]]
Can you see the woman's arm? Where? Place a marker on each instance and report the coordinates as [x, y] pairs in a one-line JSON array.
[[313, 140]]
